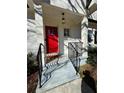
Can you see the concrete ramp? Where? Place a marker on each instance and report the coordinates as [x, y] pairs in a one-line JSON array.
[[60, 76]]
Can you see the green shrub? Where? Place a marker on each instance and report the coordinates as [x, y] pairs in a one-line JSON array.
[[92, 56], [31, 63]]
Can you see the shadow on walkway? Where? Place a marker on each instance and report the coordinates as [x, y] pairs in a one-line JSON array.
[[88, 83]]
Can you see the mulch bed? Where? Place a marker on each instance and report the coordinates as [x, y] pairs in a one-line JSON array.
[[32, 82], [91, 68]]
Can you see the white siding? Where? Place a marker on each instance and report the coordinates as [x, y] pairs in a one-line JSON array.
[[35, 34]]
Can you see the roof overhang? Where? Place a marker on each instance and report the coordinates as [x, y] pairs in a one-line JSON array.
[[54, 13]]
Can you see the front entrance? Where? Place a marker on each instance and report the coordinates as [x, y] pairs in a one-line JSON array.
[[52, 39]]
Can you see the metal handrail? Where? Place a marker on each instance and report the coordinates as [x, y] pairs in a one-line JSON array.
[[42, 73], [39, 60], [74, 48], [48, 75], [77, 63]]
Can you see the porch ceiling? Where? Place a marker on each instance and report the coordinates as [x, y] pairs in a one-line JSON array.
[[54, 14]]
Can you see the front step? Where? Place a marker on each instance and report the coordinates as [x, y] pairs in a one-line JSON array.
[[63, 74]]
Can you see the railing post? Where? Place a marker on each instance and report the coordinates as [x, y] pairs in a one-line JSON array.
[[76, 62], [75, 56], [39, 59]]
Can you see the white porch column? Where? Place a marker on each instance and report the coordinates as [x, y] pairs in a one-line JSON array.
[[84, 35], [40, 29]]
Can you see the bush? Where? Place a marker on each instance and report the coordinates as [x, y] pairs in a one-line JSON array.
[[32, 66], [92, 56]]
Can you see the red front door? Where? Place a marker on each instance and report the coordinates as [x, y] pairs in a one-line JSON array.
[[51, 39]]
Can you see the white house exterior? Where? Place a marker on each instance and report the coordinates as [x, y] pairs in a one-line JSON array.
[[50, 13], [55, 24]]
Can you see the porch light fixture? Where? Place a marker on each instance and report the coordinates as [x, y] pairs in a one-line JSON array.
[[63, 19]]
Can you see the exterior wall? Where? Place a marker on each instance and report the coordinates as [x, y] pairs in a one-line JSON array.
[[31, 36], [61, 39], [40, 30], [75, 31], [35, 34], [84, 29], [31, 31], [77, 4], [74, 37], [84, 36]]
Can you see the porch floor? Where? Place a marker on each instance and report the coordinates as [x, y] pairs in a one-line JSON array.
[[63, 74]]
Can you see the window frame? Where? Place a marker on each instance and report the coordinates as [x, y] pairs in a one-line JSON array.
[[66, 32]]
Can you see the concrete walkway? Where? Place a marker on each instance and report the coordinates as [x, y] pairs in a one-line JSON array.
[[70, 87]]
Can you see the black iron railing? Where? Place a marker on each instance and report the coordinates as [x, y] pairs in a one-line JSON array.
[[39, 60], [74, 53], [46, 71], [44, 76]]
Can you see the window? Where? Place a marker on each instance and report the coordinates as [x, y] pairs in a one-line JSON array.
[[66, 32], [95, 37], [46, 1], [27, 6], [90, 36]]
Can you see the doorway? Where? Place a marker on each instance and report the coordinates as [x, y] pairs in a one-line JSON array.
[[52, 39]]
